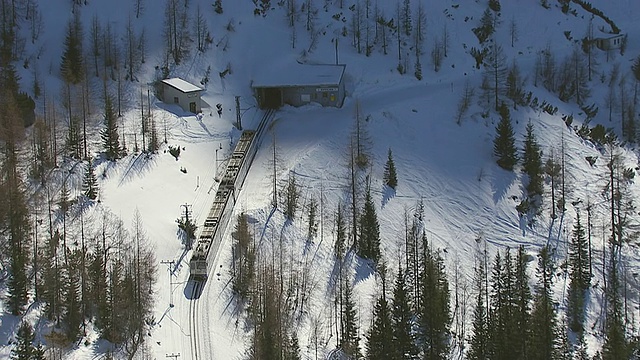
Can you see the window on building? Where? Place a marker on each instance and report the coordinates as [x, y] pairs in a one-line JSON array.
[[332, 97], [176, 100], [324, 95]]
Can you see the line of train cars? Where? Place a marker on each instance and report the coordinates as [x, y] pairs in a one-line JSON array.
[[220, 213]]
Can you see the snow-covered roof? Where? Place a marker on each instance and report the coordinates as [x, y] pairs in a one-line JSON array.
[[181, 85], [297, 74]]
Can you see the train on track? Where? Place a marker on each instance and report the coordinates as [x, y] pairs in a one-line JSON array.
[[217, 220]]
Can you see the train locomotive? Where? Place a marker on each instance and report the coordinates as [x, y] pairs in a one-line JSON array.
[[219, 215]]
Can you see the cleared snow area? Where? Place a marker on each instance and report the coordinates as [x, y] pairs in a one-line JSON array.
[[469, 201]]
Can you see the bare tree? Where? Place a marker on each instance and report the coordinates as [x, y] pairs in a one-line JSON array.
[[420, 31], [464, 103], [513, 31], [201, 30], [139, 6]]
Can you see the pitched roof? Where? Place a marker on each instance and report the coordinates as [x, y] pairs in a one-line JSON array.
[[288, 75], [181, 85]]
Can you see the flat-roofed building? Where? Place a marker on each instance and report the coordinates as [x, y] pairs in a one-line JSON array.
[[183, 93], [299, 84]]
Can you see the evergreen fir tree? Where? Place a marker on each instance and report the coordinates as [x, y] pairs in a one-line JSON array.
[[579, 276], [496, 323], [532, 164], [404, 346], [50, 289], [72, 301], [217, 6], [18, 231], [380, 337], [494, 5], [390, 177], [349, 339], [544, 329], [73, 140], [341, 233], [71, 67], [615, 342], [292, 349], [97, 276], [435, 313], [369, 242], [110, 132], [479, 347], [90, 183], [291, 197], [24, 349], [522, 315], [504, 144]]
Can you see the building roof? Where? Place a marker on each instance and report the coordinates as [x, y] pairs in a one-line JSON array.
[[288, 75], [181, 85]]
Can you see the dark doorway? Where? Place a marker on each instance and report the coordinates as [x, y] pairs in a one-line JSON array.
[[272, 98], [192, 107]]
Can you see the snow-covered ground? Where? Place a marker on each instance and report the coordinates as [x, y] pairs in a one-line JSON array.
[[469, 201]]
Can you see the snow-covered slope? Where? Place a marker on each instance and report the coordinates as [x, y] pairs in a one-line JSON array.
[[469, 201]]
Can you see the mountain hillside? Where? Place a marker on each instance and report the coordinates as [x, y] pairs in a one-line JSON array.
[[449, 184]]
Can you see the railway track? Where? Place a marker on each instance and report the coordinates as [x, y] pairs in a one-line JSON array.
[[196, 290], [217, 226]]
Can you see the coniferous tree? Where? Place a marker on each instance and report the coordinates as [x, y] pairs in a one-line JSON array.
[[522, 299], [404, 346], [110, 132], [499, 310], [312, 228], [244, 257], [494, 5], [615, 344], [435, 314], [479, 347], [349, 339], [514, 85], [504, 144], [579, 276], [544, 329], [291, 197], [72, 299], [51, 285], [532, 165], [390, 177], [25, 349], [18, 233], [369, 242], [217, 5], [90, 183], [98, 285], [380, 336], [72, 67], [341, 233]]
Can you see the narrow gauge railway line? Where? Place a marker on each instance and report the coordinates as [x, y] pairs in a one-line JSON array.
[[193, 319], [209, 242]]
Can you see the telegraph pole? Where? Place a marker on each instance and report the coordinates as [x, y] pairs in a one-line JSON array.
[[238, 117], [169, 266]]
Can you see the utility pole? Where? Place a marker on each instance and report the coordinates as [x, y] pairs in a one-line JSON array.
[[172, 355], [169, 266], [238, 117], [187, 223]]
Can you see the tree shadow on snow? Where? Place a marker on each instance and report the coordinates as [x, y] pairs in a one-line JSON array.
[[500, 184], [364, 268], [387, 194]]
